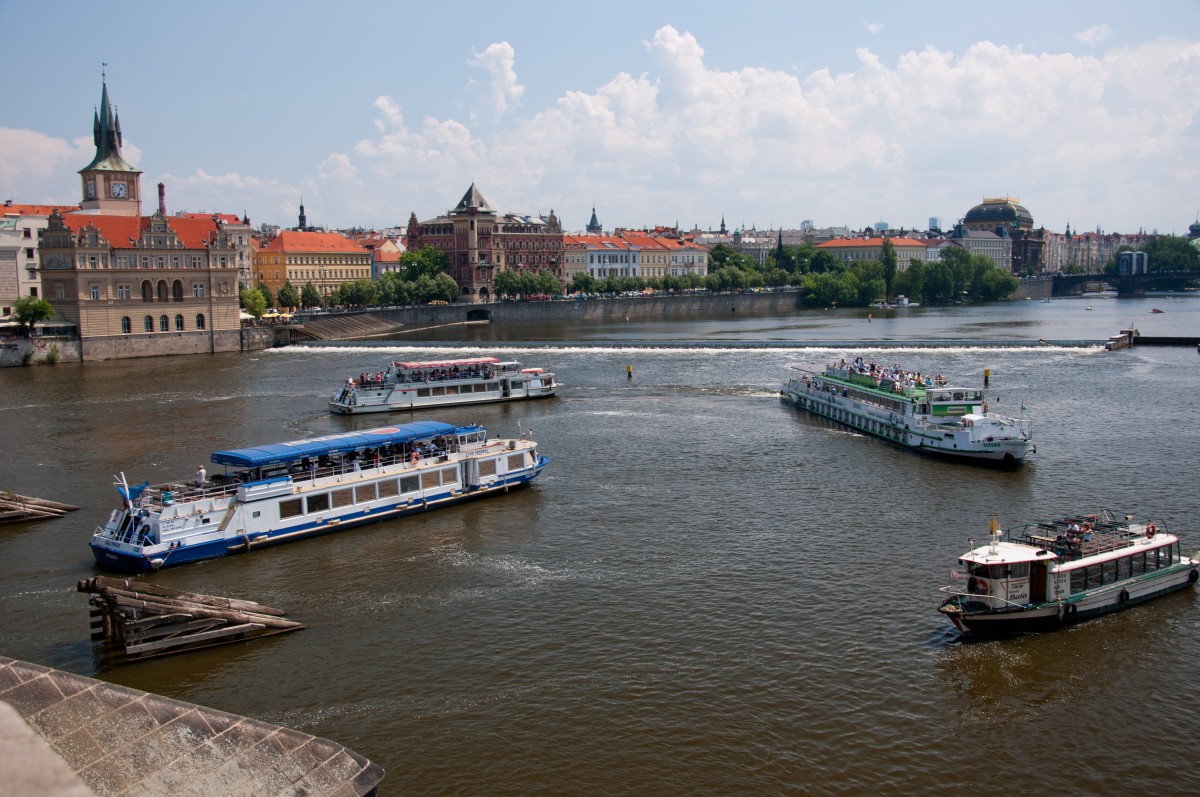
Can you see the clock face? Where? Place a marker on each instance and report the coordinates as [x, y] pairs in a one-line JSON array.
[[91, 189], [118, 190]]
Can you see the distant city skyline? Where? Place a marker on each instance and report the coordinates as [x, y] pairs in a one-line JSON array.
[[767, 115]]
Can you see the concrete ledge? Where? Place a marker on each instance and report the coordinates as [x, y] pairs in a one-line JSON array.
[[121, 741], [28, 766]]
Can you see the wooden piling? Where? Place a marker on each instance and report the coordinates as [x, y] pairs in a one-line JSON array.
[[139, 620], [20, 508]]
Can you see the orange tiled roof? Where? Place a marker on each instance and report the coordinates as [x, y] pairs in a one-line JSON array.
[[122, 232], [36, 210], [858, 243], [297, 241]]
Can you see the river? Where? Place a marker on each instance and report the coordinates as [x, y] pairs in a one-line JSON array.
[[706, 592]]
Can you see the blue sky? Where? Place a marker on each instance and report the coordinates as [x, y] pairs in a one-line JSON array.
[[764, 113]]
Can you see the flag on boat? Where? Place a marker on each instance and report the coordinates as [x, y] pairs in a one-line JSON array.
[[131, 494], [955, 575]]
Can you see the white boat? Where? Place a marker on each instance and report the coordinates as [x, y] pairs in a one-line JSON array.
[[915, 411], [441, 383], [1042, 576], [287, 491]]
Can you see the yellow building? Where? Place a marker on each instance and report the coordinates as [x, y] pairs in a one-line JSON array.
[[326, 259]]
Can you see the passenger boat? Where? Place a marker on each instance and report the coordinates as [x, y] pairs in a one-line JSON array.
[[915, 411], [277, 493], [441, 383], [1045, 575]]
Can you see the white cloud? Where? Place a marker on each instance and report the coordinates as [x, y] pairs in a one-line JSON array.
[[873, 27], [925, 135], [1095, 34], [499, 88]]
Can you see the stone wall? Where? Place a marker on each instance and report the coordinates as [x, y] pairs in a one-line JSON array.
[[24, 351]]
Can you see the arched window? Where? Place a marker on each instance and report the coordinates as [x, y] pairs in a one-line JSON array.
[[162, 291], [179, 323], [147, 291], [149, 323], [177, 290], [126, 325], [164, 324], [199, 320]]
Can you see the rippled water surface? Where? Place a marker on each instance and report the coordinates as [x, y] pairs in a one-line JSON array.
[[706, 592]]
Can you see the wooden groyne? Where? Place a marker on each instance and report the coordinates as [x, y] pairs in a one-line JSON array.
[[20, 508], [139, 620], [1131, 337]]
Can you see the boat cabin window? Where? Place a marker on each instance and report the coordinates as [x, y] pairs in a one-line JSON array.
[[388, 488], [487, 467], [409, 484], [343, 497], [364, 493], [292, 507], [318, 503]]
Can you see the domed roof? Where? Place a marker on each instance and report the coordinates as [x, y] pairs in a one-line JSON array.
[[994, 212], [1194, 229]]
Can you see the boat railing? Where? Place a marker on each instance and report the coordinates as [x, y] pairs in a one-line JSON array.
[[957, 592]]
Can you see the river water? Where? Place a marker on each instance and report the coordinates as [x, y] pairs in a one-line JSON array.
[[705, 593]]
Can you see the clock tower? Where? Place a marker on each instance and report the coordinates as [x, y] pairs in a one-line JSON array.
[[110, 185]]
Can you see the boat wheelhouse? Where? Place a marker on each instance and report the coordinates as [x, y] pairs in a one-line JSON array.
[[287, 491], [1042, 576], [441, 383], [916, 411]]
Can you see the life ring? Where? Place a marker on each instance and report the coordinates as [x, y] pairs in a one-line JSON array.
[[1123, 598], [977, 586], [1150, 531], [414, 458]]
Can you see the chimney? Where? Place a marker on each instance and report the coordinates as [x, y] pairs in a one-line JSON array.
[[162, 199]]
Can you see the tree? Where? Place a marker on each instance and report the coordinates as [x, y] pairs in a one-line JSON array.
[[252, 302], [268, 297], [888, 259], [289, 296], [28, 310], [309, 297]]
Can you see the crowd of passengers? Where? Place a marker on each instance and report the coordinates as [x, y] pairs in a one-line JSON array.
[[897, 375], [389, 376]]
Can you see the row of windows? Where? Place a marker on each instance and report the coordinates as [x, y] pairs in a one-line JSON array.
[[164, 323], [147, 261], [305, 260], [365, 493], [164, 292], [1096, 575]]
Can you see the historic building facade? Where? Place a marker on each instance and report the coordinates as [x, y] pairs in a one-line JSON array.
[[135, 286], [1007, 218], [326, 259], [478, 241]]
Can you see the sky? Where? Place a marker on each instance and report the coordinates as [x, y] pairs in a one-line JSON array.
[[764, 114]]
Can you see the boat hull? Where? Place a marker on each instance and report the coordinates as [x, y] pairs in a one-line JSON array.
[[976, 618], [395, 403], [112, 555], [894, 429]]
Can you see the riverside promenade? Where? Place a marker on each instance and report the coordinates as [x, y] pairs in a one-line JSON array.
[[65, 735]]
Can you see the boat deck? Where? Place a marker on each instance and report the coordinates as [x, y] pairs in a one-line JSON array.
[[1105, 536]]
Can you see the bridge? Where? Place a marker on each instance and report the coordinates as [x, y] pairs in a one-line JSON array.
[[1125, 284]]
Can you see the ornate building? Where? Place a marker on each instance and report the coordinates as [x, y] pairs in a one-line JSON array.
[[133, 285], [1005, 217], [477, 241]]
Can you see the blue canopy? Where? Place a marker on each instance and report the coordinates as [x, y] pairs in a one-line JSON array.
[[281, 453]]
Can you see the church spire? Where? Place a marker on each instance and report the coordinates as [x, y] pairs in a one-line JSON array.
[[106, 132]]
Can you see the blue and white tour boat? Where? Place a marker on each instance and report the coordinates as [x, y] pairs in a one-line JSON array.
[[281, 492], [441, 383], [1042, 576], [917, 411]]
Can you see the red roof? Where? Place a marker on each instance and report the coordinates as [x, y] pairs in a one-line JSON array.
[[122, 231], [297, 241], [36, 210], [858, 243]]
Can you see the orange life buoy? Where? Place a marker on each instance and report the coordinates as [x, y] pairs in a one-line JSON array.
[[977, 586], [414, 458], [1150, 531]]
